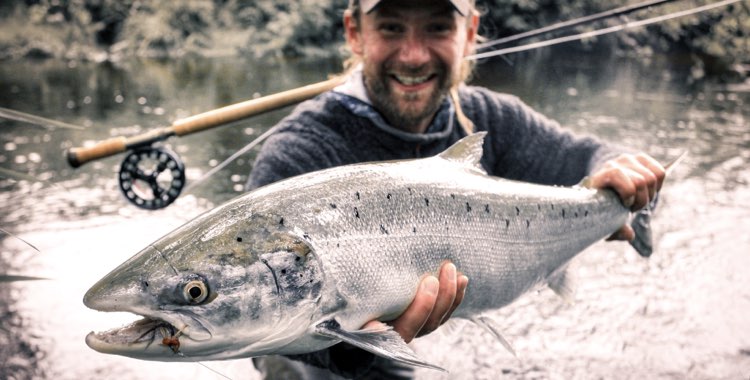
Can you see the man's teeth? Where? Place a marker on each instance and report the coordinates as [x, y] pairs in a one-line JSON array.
[[411, 80]]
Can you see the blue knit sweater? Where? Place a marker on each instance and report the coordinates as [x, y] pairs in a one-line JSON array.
[[336, 129]]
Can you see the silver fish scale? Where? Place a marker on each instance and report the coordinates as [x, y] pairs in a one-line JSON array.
[[378, 228]]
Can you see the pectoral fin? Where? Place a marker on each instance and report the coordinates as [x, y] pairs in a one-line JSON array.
[[561, 282], [383, 342]]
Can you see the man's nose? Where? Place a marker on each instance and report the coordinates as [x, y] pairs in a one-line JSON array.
[[414, 50]]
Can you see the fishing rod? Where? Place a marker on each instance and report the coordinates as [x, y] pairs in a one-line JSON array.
[[166, 179]]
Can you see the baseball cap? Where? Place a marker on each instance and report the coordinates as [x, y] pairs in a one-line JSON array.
[[462, 6]]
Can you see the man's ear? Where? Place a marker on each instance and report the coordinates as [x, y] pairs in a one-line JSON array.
[[352, 34], [471, 33]]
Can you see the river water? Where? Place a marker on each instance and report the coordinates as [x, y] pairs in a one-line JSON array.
[[681, 314]]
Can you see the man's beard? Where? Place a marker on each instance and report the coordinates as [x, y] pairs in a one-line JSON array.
[[411, 115]]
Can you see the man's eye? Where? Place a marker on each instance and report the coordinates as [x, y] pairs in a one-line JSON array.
[[391, 28], [440, 28]]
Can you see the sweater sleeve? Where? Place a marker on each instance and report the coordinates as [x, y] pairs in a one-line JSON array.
[[531, 147]]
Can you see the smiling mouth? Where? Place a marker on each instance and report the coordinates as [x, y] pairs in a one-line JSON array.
[[410, 80]]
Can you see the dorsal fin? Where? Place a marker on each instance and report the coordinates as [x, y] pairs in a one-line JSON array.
[[467, 151]]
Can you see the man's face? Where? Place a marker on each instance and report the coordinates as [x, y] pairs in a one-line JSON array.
[[412, 53]]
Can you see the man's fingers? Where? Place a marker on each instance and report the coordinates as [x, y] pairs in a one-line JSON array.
[[445, 298], [463, 283], [624, 233], [655, 168], [415, 316], [616, 177], [635, 178]]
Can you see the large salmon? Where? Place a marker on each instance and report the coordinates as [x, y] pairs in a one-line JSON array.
[[302, 264]]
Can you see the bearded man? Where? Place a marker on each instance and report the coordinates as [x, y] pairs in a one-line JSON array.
[[404, 98]]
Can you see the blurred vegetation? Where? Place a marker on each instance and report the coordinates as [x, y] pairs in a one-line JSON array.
[[112, 29]]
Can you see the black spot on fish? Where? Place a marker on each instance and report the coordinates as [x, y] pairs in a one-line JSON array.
[[518, 211], [356, 212], [575, 214], [409, 188], [487, 208], [414, 229], [468, 207], [539, 207], [507, 223], [283, 271], [281, 222], [426, 202], [383, 230], [338, 245], [553, 206], [145, 283], [333, 205], [388, 196], [528, 223], [453, 196], [563, 213], [239, 239], [306, 236], [586, 213], [357, 194]]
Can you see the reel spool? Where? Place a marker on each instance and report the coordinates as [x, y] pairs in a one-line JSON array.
[[152, 177]]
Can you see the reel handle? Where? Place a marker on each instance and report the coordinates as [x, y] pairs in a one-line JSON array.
[[79, 156]]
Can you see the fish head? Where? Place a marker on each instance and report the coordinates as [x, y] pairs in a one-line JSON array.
[[225, 285]]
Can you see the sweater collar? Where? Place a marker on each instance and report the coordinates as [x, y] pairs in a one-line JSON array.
[[353, 96]]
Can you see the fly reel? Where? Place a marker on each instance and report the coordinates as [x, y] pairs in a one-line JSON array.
[[152, 177]]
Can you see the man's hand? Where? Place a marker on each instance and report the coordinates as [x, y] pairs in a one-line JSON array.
[[433, 304], [636, 178]]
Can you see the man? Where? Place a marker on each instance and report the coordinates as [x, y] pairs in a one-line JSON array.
[[405, 98]]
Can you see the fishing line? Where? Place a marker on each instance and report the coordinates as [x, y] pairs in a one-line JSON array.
[[36, 120], [213, 370], [207, 367], [599, 32], [14, 236], [231, 158], [572, 23]]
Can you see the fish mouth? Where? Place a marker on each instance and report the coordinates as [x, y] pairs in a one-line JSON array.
[[148, 338]]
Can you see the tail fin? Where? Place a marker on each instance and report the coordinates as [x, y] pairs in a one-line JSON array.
[[643, 243], [641, 223]]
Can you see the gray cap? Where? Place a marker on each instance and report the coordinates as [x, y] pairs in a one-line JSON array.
[[462, 6]]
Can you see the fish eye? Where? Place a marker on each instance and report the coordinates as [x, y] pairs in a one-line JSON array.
[[195, 292]]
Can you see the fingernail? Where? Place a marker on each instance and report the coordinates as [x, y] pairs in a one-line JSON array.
[[465, 280], [430, 285], [630, 201], [450, 270]]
